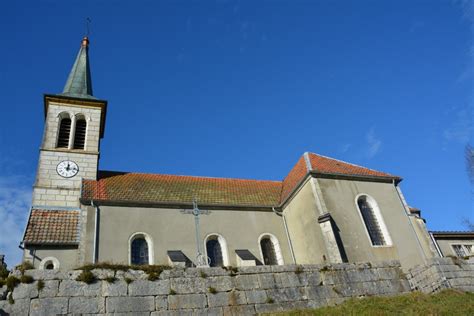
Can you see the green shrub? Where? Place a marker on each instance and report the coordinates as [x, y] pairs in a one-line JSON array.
[[12, 282], [86, 277], [172, 292], [40, 285], [26, 279], [128, 280], [3, 272], [299, 270], [203, 274], [26, 265], [10, 299], [270, 300]]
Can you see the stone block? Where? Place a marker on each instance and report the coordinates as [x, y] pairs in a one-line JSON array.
[[145, 287], [287, 279], [117, 288], [266, 281], [182, 312], [226, 299], [72, 275], [288, 294], [189, 285], [242, 310], [124, 304], [214, 311], [21, 307], [102, 274], [271, 308], [45, 274], [186, 301], [319, 293], [246, 282], [255, 269], [87, 305], [217, 271], [220, 283], [131, 274], [49, 306], [76, 288], [23, 290], [285, 268], [256, 296], [161, 302]]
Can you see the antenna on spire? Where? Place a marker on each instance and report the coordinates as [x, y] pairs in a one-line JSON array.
[[88, 22]]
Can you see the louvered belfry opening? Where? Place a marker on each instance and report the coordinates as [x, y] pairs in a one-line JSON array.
[[64, 131], [80, 134]]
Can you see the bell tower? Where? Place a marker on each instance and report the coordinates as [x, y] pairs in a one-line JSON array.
[[74, 125]]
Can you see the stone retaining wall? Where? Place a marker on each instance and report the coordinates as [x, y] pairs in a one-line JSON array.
[[443, 273], [203, 291]]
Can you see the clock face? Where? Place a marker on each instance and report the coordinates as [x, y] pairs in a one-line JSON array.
[[67, 169]]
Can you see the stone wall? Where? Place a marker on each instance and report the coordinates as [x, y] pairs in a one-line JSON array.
[[443, 273], [196, 291]]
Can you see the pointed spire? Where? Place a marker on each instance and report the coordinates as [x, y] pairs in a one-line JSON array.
[[79, 83]]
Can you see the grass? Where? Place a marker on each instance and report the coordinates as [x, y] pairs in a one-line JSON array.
[[12, 282], [86, 277], [26, 279], [203, 274], [153, 271], [3, 272], [24, 266], [128, 280], [447, 302], [212, 290], [40, 285], [111, 279], [172, 292], [298, 270]]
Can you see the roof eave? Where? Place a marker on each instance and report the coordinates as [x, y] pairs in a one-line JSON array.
[[175, 205], [341, 176]]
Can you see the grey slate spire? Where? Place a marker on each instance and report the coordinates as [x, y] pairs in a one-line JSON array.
[[79, 83]]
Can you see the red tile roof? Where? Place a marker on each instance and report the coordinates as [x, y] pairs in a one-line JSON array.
[[172, 189], [153, 188], [52, 227]]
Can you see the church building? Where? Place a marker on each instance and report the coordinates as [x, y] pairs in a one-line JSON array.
[[323, 211]]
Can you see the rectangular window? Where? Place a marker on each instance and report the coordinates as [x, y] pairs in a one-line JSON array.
[[463, 250]]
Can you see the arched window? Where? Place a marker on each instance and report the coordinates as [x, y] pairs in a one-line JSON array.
[[64, 132], [216, 250], [373, 221], [80, 133], [270, 250], [139, 251]]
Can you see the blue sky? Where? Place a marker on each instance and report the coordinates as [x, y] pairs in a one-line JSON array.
[[243, 88]]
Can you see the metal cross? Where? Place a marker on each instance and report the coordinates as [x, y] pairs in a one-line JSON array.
[[201, 259], [88, 22]]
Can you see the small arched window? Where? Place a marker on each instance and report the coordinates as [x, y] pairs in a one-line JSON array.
[[139, 251], [64, 132], [49, 263], [80, 133], [270, 250], [373, 221]]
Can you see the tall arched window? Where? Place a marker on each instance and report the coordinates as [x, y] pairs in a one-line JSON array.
[[139, 251], [80, 133], [64, 132], [270, 249], [373, 221], [216, 250]]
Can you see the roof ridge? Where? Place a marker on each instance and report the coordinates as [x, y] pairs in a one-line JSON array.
[[191, 176], [349, 163]]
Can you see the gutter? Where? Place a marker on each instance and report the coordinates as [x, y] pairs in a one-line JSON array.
[[280, 213], [96, 215], [436, 244]]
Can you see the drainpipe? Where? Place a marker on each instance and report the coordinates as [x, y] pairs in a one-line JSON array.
[[287, 233], [96, 215], [433, 240]]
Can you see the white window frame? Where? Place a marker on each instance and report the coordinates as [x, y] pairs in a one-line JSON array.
[[47, 260], [150, 245], [378, 214], [464, 248], [222, 243], [276, 246]]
